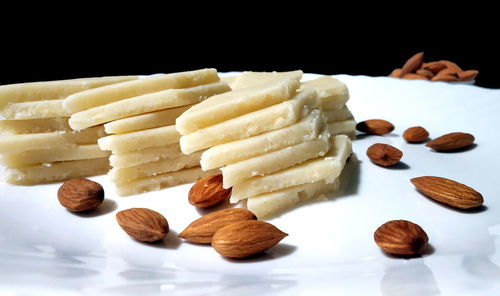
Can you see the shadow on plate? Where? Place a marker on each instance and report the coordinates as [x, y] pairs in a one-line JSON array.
[[106, 207]]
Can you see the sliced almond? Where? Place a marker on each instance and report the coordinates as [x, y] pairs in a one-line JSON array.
[[448, 191]]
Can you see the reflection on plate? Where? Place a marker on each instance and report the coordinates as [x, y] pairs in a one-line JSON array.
[[46, 250]]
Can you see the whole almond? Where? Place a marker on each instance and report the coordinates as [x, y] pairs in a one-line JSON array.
[[451, 141], [415, 134], [468, 75], [396, 73], [202, 230], [448, 192], [413, 64], [401, 237], [434, 67], [413, 76], [375, 126], [384, 155], [245, 238], [208, 192], [143, 224], [80, 194]]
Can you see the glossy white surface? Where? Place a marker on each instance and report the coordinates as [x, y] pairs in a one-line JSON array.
[[46, 250]]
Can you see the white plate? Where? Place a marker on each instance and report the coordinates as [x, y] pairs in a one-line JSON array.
[[46, 250]]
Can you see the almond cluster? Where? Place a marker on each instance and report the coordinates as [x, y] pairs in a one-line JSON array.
[[443, 70]]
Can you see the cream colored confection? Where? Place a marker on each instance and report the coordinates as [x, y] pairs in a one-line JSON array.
[[327, 167], [268, 205], [251, 124], [305, 130], [346, 127], [104, 95], [163, 181], [268, 163], [145, 121], [133, 141], [31, 157], [133, 158], [229, 80], [235, 103], [53, 90], [34, 109], [57, 171], [335, 115], [333, 93], [249, 78], [124, 175], [31, 126], [160, 100], [24, 142]]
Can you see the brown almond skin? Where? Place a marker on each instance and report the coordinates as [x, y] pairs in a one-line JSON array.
[[414, 76], [384, 155], [245, 238], [451, 65], [434, 67], [451, 141], [413, 64], [425, 72], [445, 77], [448, 192], [143, 224], [396, 73], [401, 237], [468, 75], [203, 229], [415, 134], [208, 192], [375, 126], [80, 194]]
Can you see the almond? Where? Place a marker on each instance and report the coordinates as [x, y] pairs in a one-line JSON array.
[[246, 238], [424, 72], [80, 194], [202, 230], [448, 192], [396, 73], [414, 76], [468, 75], [401, 237], [384, 155], [143, 224], [375, 126], [413, 64], [451, 141], [451, 65], [415, 134], [208, 192], [444, 77], [434, 67]]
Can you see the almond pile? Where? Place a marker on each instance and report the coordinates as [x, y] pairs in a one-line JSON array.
[[443, 70]]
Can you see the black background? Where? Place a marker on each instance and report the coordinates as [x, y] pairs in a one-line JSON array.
[[73, 47]]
